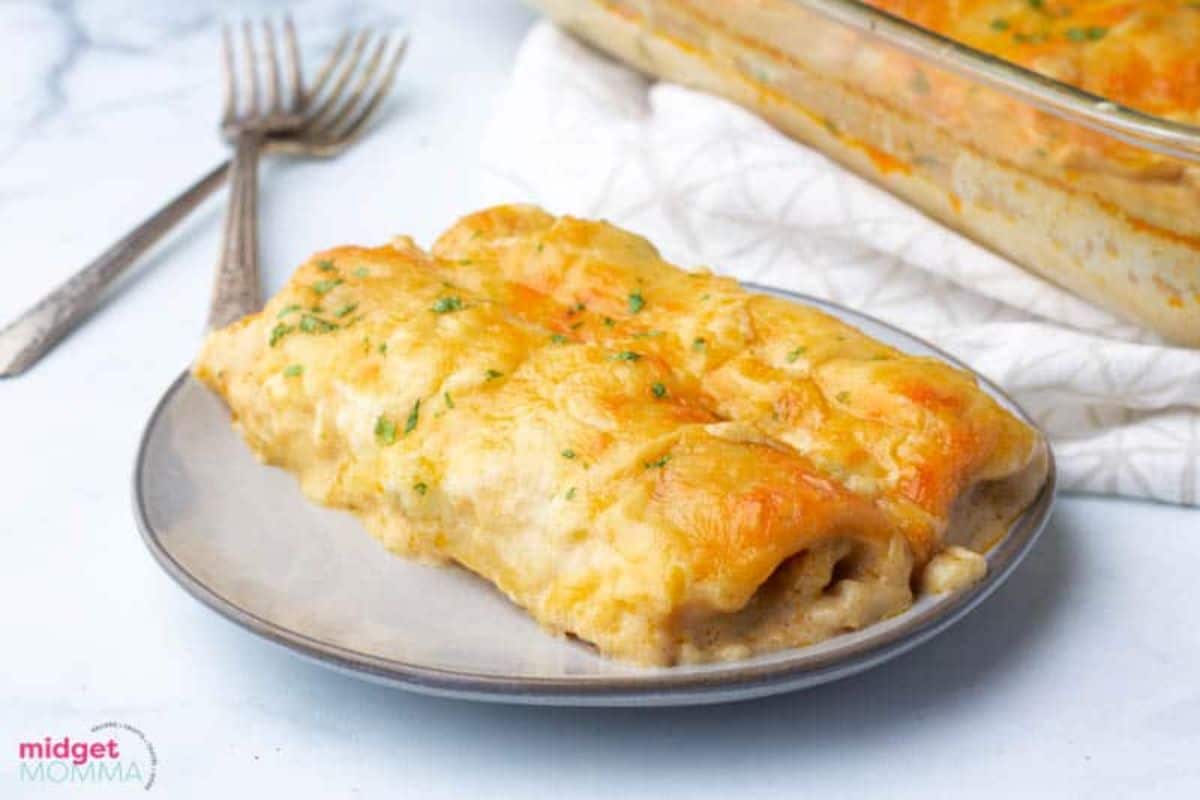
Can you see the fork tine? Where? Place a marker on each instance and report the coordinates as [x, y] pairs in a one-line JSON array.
[[365, 77], [343, 75], [251, 67], [295, 78], [273, 90], [356, 126], [230, 107], [327, 68]]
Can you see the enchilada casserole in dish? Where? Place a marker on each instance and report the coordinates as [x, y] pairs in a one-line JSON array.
[[655, 461], [1111, 221]]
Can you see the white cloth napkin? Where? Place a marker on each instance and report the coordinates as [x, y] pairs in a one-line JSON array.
[[712, 184]]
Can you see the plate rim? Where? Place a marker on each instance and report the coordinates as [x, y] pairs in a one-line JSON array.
[[660, 686]]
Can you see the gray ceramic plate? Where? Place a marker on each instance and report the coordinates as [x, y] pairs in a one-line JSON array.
[[242, 539]]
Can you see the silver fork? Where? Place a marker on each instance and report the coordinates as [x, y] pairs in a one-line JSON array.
[[334, 118], [245, 124]]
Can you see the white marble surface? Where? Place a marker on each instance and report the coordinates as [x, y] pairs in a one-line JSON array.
[[1078, 678]]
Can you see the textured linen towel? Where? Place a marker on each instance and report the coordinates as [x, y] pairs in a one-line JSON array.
[[712, 184]]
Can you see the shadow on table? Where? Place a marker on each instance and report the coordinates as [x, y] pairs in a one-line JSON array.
[[936, 681]]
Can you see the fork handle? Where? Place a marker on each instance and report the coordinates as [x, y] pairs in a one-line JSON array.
[[30, 336], [237, 288]]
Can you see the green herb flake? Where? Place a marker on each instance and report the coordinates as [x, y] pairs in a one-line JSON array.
[[311, 324], [571, 493], [326, 286], [842, 397], [383, 348], [609, 322], [445, 305], [344, 310], [558, 338], [449, 400], [385, 430], [362, 272], [568, 453], [325, 265], [289, 309], [699, 343], [1037, 4], [999, 25], [636, 301], [657, 463], [540, 246], [660, 391], [795, 354], [414, 416], [492, 374], [576, 325], [293, 370], [647, 334], [1089, 34], [627, 355], [420, 488], [279, 331]]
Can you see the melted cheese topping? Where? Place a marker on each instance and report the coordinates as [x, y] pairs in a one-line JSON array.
[[1140, 53], [657, 462]]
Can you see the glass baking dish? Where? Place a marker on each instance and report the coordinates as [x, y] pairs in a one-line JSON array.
[[1099, 198]]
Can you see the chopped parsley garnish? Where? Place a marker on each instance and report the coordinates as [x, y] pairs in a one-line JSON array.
[[445, 305], [362, 272], [283, 312], [999, 24], [293, 370], [311, 324], [636, 301], [420, 488], [660, 390], [325, 265], [344, 310], [794, 354], [540, 246], [385, 430], [449, 400], [657, 463], [1038, 4], [492, 374], [326, 286], [383, 348], [698, 343], [609, 322], [626, 355], [464, 261], [568, 453], [647, 334], [558, 338], [842, 397], [413, 417], [571, 493], [279, 331], [576, 325], [579, 306], [1089, 34]]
